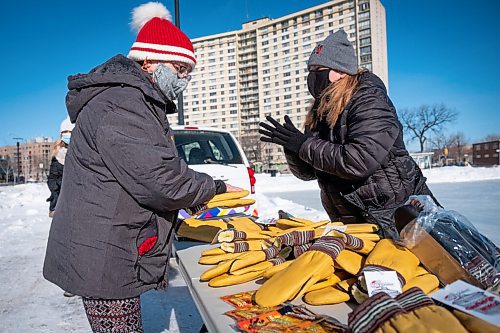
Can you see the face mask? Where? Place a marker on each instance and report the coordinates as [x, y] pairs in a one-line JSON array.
[[317, 82], [169, 82], [66, 138]]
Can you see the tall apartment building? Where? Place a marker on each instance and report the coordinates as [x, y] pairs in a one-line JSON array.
[[242, 76], [33, 161]]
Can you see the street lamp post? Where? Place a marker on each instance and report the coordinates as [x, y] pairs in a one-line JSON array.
[[18, 154], [180, 98]]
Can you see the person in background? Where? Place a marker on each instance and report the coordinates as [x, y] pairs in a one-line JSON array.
[[123, 184], [54, 180], [353, 141]]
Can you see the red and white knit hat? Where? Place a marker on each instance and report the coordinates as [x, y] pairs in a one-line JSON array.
[[158, 38]]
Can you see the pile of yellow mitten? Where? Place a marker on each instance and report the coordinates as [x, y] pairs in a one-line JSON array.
[[205, 230], [320, 261]]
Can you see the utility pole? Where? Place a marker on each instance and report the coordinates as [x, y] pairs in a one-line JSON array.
[[18, 159], [180, 98]]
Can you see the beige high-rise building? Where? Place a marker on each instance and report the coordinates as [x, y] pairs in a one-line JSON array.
[[242, 76]]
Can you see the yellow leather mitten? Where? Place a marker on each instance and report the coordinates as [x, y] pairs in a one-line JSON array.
[[230, 196], [350, 261], [252, 258], [427, 282], [232, 235], [354, 243], [312, 266], [226, 279], [388, 256], [357, 228], [275, 269], [411, 311], [233, 203], [215, 259], [327, 295], [200, 230], [242, 246]]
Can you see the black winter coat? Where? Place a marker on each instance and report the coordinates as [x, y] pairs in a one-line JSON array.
[[362, 166], [122, 179], [54, 181]]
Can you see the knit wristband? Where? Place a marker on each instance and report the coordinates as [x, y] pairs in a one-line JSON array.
[[299, 249], [414, 298], [271, 252], [241, 247], [373, 312], [277, 261], [352, 242], [296, 237], [329, 245]]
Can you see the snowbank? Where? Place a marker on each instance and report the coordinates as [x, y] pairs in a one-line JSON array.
[[452, 174]]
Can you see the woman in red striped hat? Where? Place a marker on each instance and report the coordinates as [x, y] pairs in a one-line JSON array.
[[110, 240]]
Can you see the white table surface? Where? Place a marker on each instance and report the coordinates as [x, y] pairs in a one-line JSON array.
[[212, 308]]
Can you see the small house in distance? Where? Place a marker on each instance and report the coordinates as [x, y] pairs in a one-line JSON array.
[[486, 153]]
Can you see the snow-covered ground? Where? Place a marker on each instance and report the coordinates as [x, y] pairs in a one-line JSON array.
[[288, 183], [28, 303]]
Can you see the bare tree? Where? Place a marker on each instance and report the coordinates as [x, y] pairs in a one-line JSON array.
[[252, 146], [5, 168], [459, 141], [421, 122], [492, 137], [441, 141]]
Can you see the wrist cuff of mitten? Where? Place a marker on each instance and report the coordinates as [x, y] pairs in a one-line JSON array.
[[413, 299], [329, 245], [220, 187], [271, 252], [299, 249], [241, 247], [373, 312], [352, 242], [277, 261], [296, 237]]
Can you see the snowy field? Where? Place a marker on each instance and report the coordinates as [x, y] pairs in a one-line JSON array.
[[28, 303]]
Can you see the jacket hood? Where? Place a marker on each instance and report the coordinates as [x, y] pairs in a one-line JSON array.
[[370, 80], [117, 71]]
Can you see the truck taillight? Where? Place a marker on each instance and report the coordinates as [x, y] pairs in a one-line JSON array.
[[251, 175]]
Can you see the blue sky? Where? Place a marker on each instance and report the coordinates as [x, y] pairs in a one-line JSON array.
[[438, 51]]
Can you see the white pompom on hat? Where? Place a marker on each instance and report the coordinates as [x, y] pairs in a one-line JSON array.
[[66, 125], [158, 38]]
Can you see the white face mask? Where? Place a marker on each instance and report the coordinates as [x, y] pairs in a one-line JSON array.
[[169, 82]]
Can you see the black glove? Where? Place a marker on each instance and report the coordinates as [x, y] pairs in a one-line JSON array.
[[220, 187], [286, 135]]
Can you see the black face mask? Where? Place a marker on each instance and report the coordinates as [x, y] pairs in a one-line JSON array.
[[317, 81]]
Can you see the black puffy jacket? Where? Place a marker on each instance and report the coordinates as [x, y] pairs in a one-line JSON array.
[[362, 166], [54, 181], [122, 179]]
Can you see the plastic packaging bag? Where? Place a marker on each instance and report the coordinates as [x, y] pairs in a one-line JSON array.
[[479, 256]]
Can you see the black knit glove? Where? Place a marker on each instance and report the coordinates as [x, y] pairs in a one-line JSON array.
[[286, 135]]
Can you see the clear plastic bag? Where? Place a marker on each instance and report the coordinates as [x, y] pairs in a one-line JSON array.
[[479, 256]]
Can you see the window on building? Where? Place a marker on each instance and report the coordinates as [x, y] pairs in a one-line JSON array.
[[365, 50], [365, 41], [364, 6]]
